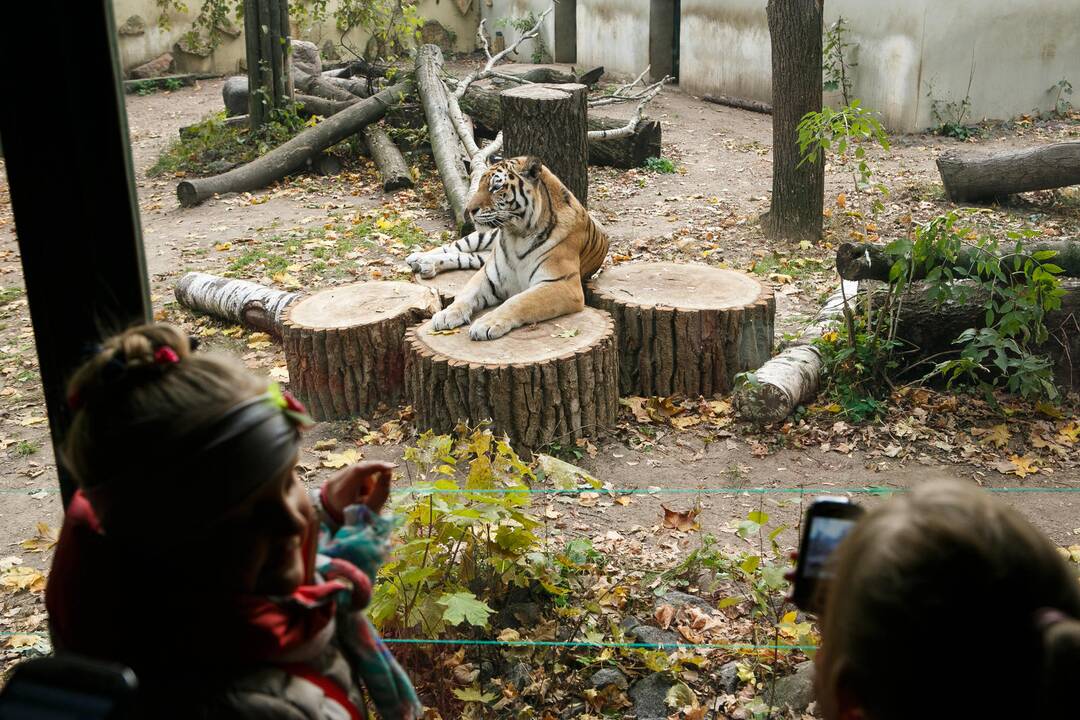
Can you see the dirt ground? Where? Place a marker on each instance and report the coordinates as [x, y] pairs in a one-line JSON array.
[[705, 211]]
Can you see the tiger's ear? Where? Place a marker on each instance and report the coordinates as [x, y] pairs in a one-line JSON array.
[[532, 167]]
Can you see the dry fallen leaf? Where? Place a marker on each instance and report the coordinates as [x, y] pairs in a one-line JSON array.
[[46, 539], [664, 615], [1023, 465], [326, 444], [683, 521], [258, 341], [1070, 433], [998, 435], [339, 460], [23, 578], [280, 373], [21, 640]]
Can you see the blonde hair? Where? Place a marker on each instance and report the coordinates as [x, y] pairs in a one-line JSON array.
[[933, 612], [123, 389]]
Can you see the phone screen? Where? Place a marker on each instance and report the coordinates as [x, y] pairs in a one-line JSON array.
[[825, 534]]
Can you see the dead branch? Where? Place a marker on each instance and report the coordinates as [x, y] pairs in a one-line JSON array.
[[639, 114], [493, 60]]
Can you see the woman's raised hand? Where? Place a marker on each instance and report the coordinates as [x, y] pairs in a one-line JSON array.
[[365, 483]]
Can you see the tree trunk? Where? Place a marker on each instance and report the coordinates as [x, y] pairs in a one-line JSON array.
[[548, 121], [862, 261], [445, 144], [482, 104], [970, 177], [311, 105], [798, 193], [790, 379], [355, 86], [235, 301], [345, 346], [392, 168], [741, 103], [684, 328], [267, 47], [235, 94], [294, 154], [535, 384], [319, 86]]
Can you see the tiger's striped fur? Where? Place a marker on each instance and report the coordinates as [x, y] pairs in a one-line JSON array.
[[542, 245]]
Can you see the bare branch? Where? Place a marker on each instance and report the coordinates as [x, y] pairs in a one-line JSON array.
[[479, 162], [493, 60], [631, 125]]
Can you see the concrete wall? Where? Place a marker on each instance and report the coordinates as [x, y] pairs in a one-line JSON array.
[[613, 33], [137, 49], [1020, 48], [503, 11]]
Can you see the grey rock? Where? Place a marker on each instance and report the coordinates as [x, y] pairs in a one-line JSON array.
[[654, 635], [608, 676], [134, 25], [729, 677], [155, 68], [677, 599], [305, 55], [330, 51], [795, 691], [235, 94], [650, 697], [519, 614], [628, 623]]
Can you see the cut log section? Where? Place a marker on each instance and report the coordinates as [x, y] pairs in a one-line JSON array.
[[237, 301], [392, 168], [973, 177], [345, 346], [684, 328], [482, 104], [548, 121], [552, 381]]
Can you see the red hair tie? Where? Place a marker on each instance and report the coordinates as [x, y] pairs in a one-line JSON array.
[[165, 355]]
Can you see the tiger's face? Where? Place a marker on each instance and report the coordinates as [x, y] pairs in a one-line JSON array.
[[507, 194]]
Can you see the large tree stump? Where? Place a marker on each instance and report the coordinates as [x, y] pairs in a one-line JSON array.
[[684, 328], [483, 105], [987, 176], [548, 121], [448, 284], [345, 346], [552, 381]]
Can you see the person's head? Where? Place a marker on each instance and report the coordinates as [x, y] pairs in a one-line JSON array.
[[188, 459], [947, 603]]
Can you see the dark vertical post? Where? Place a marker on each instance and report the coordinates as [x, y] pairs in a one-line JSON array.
[[565, 31], [74, 201]]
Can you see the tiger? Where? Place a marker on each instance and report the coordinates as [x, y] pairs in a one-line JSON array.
[[542, 244]]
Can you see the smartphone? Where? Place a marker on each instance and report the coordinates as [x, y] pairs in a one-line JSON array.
[[828, 521], [67, 687]]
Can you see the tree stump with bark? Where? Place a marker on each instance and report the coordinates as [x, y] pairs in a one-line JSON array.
[[798, 191], [552, 381], [684, 328], [345, 347], [483, 105], [548, 121], [988, 176]]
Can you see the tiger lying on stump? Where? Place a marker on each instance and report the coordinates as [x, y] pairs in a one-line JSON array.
[[543, 245]]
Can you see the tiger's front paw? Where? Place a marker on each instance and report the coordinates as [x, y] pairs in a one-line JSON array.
[[424, 266], [451, 317], [489, 328]]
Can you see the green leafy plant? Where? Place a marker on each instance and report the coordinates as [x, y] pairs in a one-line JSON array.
[[208, 27], [1061, 89], [1016, 288], [523, 25], [394, 26], [950, 116], [841, 133], [460, 550], [660, 165], [837, 64]]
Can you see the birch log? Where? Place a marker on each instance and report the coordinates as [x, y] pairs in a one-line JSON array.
[[236, 301], [791, 378]]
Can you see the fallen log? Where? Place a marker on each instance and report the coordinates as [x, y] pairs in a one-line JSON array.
[[445, 143], [235, 94], [482, 103], [392, 168], [863, 261], [773, 391], [294, 154], [189, 131], [970, 177], [741, 103], [311, 105], [355, 86], [236, 301], [319, 86]]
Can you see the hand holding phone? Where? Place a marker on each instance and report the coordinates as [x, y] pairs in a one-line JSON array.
[[828, 520]]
